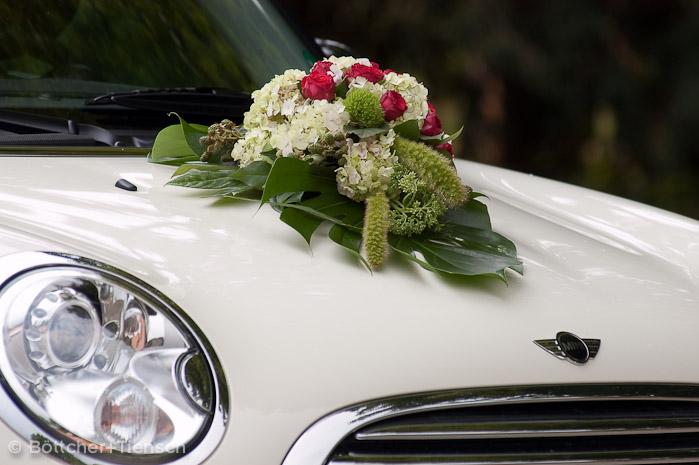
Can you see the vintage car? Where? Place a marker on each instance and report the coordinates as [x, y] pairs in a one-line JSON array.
[[147, 324]]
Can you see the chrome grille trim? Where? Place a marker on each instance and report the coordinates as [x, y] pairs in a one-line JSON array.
[[358, 425], [503, 430]]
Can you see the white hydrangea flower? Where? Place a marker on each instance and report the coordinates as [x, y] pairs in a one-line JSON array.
[[345, 63], [367, 167], [249, 149], [279, 97], [310, 123]]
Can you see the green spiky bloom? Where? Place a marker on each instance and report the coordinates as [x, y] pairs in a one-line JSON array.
[[375, 233], [434, 169], [364, 108], [417, 208]]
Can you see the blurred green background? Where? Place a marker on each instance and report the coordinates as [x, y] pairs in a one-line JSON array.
[[603, 94]]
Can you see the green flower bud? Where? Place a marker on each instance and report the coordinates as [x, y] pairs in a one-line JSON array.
[[315, 148], [329, 139], [375, 232], [339, 137], [341, 151], [434, 169], [364, 108]]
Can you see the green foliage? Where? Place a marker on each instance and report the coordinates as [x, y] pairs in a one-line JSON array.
[[192, 134], [459, 249], [466, 246], [434, 169], [367, 132], [307, 196], [364, 108], [171, 147], [408, 129]]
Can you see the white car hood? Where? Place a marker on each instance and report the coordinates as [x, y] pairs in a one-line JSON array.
[[302, 332]]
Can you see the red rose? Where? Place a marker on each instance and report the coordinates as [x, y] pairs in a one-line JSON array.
[[432, 125], [448, 147], [369, 72], [321, 67], [375, 65], [393, 105], [318, 86]]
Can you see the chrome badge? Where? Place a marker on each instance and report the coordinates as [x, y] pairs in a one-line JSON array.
[[568, 346]]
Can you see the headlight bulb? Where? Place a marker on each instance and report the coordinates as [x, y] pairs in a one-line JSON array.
[[62, 329]]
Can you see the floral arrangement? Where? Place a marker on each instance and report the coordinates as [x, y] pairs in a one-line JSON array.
[[355, 145]]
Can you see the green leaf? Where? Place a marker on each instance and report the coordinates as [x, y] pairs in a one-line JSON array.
[[439, 139], [292, 175], [473, 214], [203, 167], [192, 133], [341, 90], [349, 240], [474, 252], [408, 129], [432, 140], [235, 190], [367, 132], [254, 175], [200, 179], [306, 216], [269, 155], [173, 161], [171, 145], [452, 137], [289, 175]]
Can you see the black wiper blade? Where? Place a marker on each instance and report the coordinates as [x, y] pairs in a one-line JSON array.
[[53, 131], [192, 100]]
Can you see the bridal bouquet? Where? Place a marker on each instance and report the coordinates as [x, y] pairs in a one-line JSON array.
[[355, 145]]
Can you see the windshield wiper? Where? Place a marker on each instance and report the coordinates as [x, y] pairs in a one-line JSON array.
[[52, 131], [191, 100]]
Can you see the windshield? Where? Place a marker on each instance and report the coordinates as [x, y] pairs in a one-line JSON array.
[[56, 55]]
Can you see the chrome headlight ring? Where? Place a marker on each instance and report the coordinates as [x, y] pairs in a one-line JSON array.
[[97, 365]]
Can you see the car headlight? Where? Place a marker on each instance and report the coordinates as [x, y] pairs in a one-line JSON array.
[[104, 365]]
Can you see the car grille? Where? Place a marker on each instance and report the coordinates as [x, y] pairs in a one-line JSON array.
[[595, 424]]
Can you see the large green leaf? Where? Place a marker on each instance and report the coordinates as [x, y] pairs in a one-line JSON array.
[[203, 167], [170, 144], [349, 240], [200, 179], [192, 133], [476, 252], [473, 213], [292, 175], [254, 175], [306, 216]]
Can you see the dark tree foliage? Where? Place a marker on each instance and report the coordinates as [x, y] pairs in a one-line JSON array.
[[603, 94]]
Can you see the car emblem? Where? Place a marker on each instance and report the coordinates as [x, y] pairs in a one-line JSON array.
[[568, 346]]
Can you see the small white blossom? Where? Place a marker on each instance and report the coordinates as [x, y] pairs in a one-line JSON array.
[[367, 167]]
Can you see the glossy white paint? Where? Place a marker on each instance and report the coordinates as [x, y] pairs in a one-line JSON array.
[[301, 333]]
